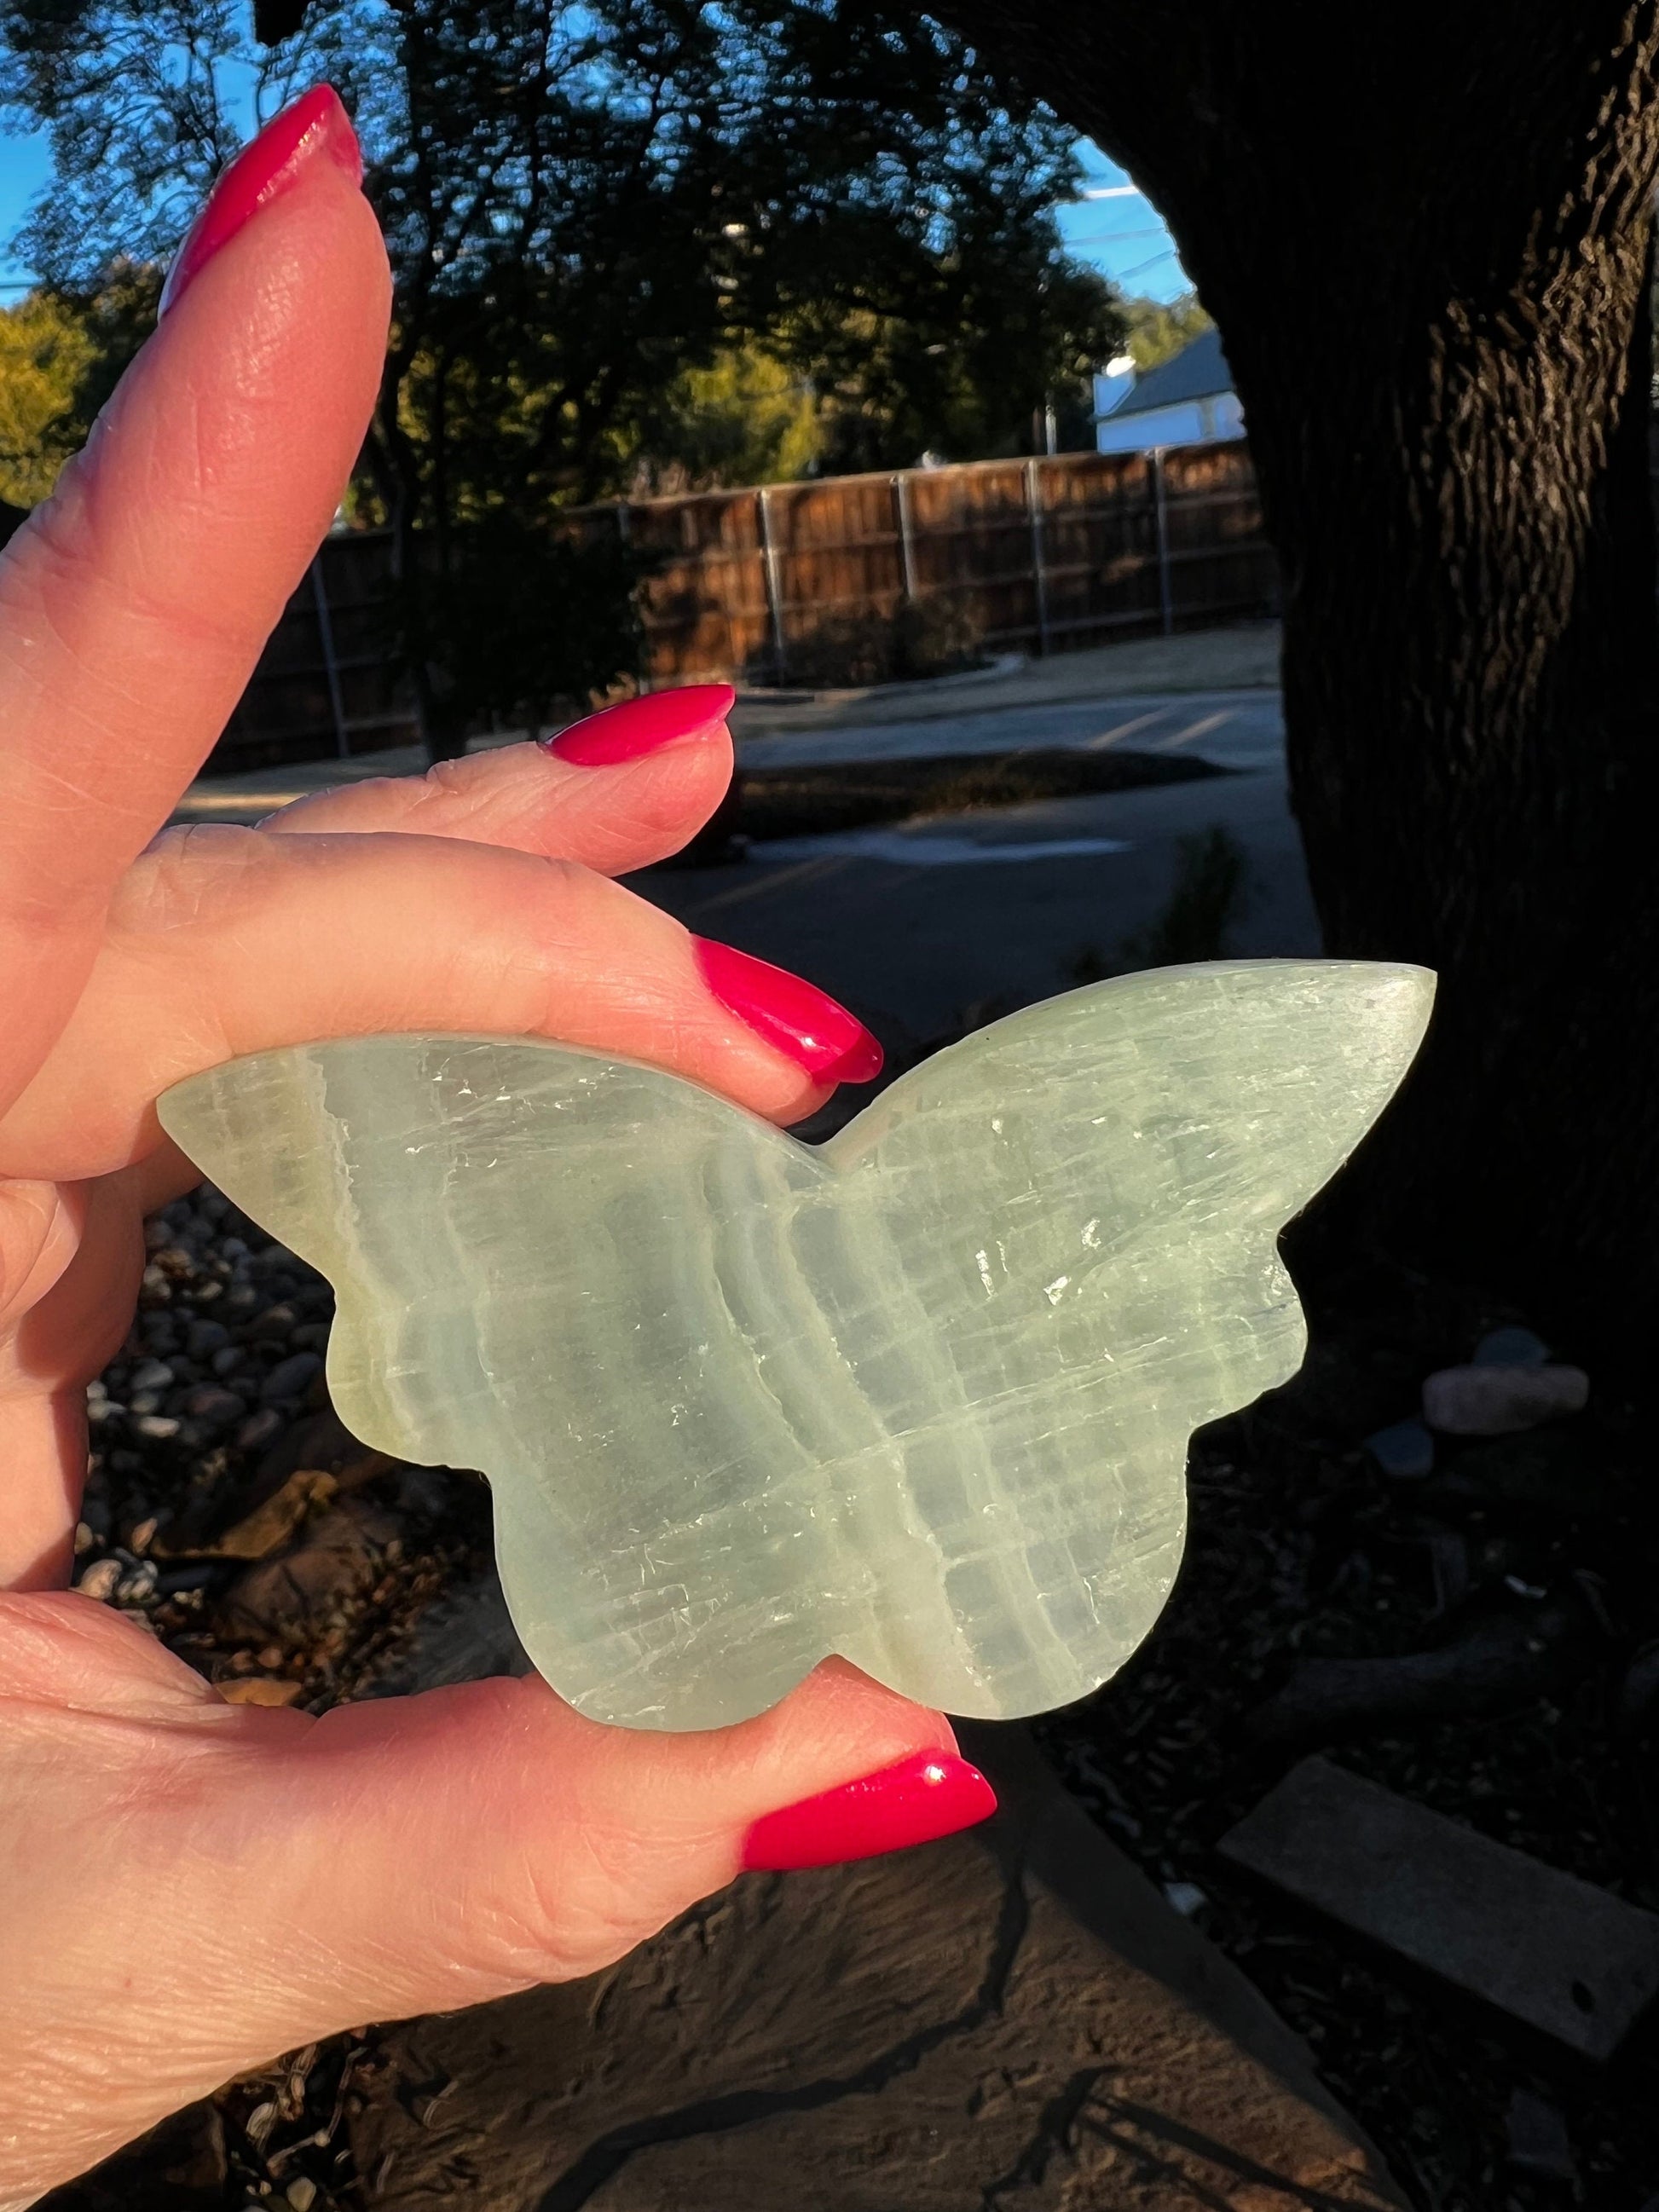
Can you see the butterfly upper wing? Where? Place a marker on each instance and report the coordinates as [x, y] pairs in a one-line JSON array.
[[1087, 1197], [744, 1403]]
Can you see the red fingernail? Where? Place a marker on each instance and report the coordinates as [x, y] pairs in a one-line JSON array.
[[800, 1020], [315, 127], [920, 1799], [638, 727]]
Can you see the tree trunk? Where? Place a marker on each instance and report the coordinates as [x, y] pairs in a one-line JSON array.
[[1425, 235]]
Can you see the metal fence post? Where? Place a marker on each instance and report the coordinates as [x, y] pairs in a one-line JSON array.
[[774, 590], [1165, 601], [907, 547], [331, 665], [1034, 508]]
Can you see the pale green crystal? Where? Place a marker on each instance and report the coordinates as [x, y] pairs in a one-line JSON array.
[[921, 1396]]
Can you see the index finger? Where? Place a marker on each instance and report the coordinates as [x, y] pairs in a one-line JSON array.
[[136, 602]]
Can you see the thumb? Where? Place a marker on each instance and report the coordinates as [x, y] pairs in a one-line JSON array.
[[301, 1876], [459, 1844]]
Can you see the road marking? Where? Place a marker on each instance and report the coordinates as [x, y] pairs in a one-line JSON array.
[[1119, 730], [1198, 729]]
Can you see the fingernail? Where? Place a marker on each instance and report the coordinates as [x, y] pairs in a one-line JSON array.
[[794, 1015], [638, 727], [922, 1798], [315, 127]]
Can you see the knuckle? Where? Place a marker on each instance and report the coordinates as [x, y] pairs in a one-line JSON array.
[[184, 874], [603, 1890]]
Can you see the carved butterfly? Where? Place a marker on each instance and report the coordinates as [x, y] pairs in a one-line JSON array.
[[921, 1395]]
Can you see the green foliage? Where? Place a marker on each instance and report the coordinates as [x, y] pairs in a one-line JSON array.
[[43, 352], [1157, 329], [1206, 899], [633, 242], [744, 419], [61, 354], [530, 616]]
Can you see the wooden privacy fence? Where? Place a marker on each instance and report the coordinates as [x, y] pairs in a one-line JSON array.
[[1039, 555], [766, 585]]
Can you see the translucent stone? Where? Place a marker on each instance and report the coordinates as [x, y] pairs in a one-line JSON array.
[[921, 1395]]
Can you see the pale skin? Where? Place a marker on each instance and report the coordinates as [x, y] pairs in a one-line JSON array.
[[188, 1887]]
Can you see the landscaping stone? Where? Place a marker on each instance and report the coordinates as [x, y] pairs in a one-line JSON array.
[[1405, 1452], [1494, 1401], [1560, 1954], [1010, 2018], [1511, 1347], [292, 1378], [294, 1597], [1539, 2141]]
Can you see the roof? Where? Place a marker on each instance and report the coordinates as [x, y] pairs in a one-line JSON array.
[[1199, 371]]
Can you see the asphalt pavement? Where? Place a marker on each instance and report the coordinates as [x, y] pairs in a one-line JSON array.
[[923, 925]]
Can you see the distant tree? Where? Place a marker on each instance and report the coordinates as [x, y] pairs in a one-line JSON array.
[[531, 616], [1157, 329], [43, 352], [584, 200], [61, 355], [953, 353], [746, 418]]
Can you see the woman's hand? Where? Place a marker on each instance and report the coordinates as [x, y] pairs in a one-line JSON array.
[[300, 1874]]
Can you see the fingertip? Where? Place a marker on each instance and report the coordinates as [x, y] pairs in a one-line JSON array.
[[633, 728]]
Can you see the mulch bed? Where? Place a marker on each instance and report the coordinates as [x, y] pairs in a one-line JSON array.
[[1299, 1548]]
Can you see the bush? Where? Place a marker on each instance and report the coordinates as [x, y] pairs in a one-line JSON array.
[[919, 638]]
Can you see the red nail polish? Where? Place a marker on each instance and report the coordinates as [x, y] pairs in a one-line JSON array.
[[638, 727], [793, 1016], [932, 1794], [315, 127]]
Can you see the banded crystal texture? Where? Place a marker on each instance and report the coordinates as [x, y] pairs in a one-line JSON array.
[[921, 1395]]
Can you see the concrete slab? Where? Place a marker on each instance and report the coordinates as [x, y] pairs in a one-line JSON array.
[[1244, 657], [915, 943], [1556, 1954], [1234, 729]]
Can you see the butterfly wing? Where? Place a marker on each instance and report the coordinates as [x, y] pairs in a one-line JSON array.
[[921, 1396], [573, 1272], [1086, 1200]]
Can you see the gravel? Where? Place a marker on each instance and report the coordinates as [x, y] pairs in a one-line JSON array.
[[1302, 1548]]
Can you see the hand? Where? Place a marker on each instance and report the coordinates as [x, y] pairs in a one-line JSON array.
[[298, 1875]]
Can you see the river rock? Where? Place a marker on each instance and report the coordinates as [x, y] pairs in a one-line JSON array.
[[291, 1377], [1496, 1401], [1511, 1347], [1405, 1452]]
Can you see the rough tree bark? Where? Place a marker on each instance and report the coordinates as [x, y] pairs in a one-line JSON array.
[[1424, 231]]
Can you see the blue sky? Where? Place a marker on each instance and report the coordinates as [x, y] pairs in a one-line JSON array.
[[25, 167], [1121, 234]]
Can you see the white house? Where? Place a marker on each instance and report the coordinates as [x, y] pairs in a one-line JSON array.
[[1187, 400]]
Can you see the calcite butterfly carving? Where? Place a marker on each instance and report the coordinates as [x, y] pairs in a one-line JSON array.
[[921, 1395]]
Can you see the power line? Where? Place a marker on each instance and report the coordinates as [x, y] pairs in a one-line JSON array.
[[1141, 267]]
